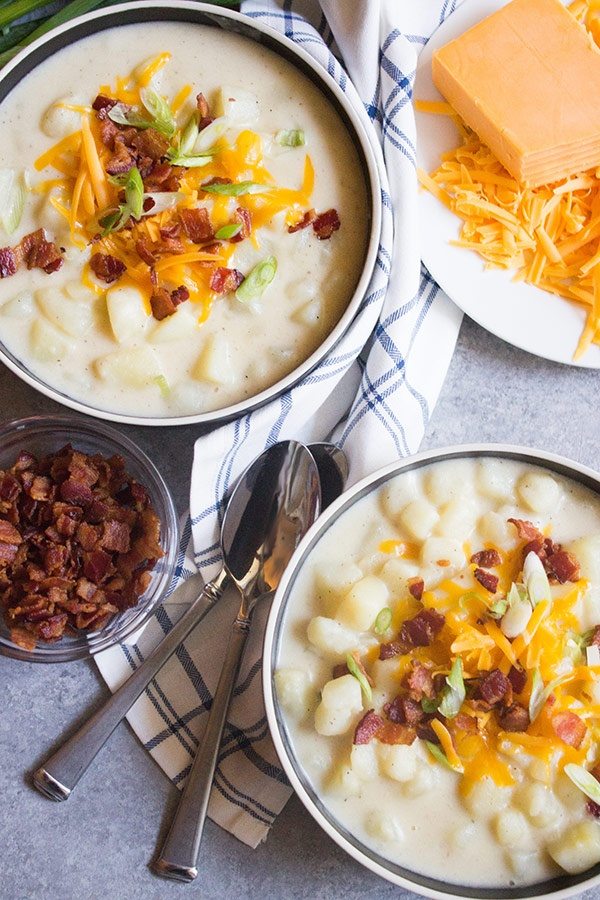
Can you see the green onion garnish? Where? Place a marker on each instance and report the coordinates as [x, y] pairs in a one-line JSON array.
[[536, 580], [189, 162], [539, 693], [429, 706], [383, 620], [293, 138], [258, 280], [12, 199], [132, 117], [584, 780], [228, 231], [163, 385], [236, 190], [188, 136], [162, 117], [441, 756], [454, 693], [134, 201], [364, 684]]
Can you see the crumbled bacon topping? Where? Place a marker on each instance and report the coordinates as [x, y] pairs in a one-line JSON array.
[[487, 559], [8, 262], [196, 225], [242, 216], [422, 630], [78, 538], [569, 728], [416, 586], [517, 678], [368, 727], [325, 224], [487, 580], [307, 219], [223, 281], [164, 303], [35, 250], [106, 267], [494, 687], [514, 718]]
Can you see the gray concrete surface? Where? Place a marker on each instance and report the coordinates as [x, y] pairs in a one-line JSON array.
[[99, 843]]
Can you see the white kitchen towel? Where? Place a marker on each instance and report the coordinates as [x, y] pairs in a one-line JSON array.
[[410, 329]]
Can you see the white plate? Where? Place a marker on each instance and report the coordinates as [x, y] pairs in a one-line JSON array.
[[521, 314]]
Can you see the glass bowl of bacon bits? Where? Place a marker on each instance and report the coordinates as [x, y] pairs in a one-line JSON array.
[[88, 538]]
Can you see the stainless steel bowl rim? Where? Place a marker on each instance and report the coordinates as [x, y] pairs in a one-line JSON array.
[[371, 176], [565, 886], [103, 639]]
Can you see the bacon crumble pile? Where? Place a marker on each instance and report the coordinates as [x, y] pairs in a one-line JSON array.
[[495, 702], [78, 541]]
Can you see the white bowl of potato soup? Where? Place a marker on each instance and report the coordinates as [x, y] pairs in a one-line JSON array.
[[189, 213], [432, 673]]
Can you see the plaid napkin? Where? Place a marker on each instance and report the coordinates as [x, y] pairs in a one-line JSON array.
[[410, 329]]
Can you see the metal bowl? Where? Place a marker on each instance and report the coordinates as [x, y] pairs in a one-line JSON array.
[[227, 20], [47, 434], [563, 886]]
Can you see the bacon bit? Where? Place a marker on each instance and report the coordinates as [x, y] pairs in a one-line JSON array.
[[593, 809], [392, 733], [223, 281], [404, 711], [73, 491], [514, 718], [422, 630], [563, 566], [569, 728], [420, 682], [487, 580], [96, 564], [39, 253], [494, 687], [165, 303], [470, 724], [143, 248], [368, 727], [196, 225], [103, 104], [41, 488], [216, 180], [169, 232], [242, 216], [487, 559], [595, 642], [307, 219], [8, 262], [387, 651], [116, 536], [8, 533], [527, 531], [149, 143], [108, 133], [122, 161], [325, 224], [204, 110], [107, 268], [416, 586], [163, 177], [518, 679]]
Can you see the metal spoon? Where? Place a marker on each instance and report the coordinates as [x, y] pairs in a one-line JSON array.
[[62, 771], [287, 519]]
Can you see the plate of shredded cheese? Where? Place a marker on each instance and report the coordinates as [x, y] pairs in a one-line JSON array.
[[521, 259]]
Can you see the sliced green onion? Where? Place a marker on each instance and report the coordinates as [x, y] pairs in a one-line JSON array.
[[163, 385], [439, 754], [497, 609], [454, 693], [163, 119], [383, 620], [258, 280], [584, 780], [132, 117], [293, 138], [189, 162], [112, 221], [188, 136], [536, 580], [429, 706], [209, 135], [236, 190], [354, 670], [134, 193], [228, 231], [517, 594], [539, 693], [13, 11], [12, 199]]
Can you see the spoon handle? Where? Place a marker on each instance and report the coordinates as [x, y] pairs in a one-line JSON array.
[[62, 771], [179, 854]]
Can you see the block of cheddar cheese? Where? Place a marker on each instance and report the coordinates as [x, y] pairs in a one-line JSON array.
[[527, 80]]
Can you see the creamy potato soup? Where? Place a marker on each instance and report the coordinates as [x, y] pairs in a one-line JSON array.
[[439, 672], [204, 219]]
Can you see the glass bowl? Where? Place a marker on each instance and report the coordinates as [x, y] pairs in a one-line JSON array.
[[47, 434]]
